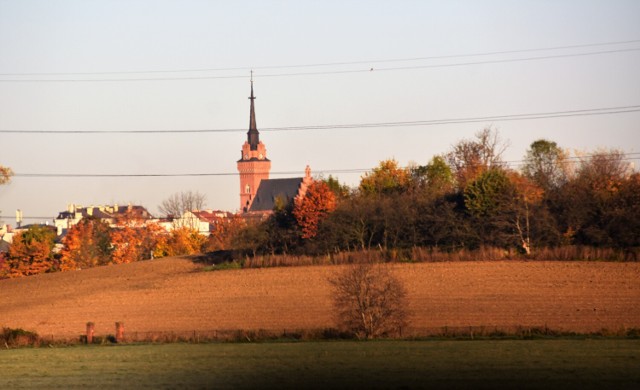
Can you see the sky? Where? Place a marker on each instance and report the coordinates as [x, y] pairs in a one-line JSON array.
[[121, 66]]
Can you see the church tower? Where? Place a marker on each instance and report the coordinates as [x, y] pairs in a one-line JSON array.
[[253, 165]]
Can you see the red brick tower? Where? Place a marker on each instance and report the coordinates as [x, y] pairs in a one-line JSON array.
[[253, 165]]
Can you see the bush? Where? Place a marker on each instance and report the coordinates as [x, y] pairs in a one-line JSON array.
[[18, 337], [369, 301]]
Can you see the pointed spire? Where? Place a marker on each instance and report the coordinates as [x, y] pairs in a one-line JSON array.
[[253, 136]]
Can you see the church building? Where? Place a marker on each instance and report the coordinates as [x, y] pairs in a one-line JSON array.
[[258, 193]]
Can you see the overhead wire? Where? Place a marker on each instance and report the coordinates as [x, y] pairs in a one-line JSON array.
[[512, 163], [367, 69], [428, 122], [324, 64]]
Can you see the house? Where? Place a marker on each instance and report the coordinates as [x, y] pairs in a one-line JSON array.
[[109, 214], [204, 221], [6, 238]]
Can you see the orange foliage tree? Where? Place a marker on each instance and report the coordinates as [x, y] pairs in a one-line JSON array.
[[31, 252], [87, 244], [135, 239], [318, 201], [184, 241], [224, 234]]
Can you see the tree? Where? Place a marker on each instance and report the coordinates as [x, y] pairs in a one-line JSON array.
[[488, 200], [546, 164], [180, 202], [135, 239], [87, 244], [224, 234], [438, 175], [314, 206], [585, 205], [526, 194], [341, 191], [184, 241], [369, 301], [251, 238], [388, 177], [5, 174], [31, 252], [470, 158]]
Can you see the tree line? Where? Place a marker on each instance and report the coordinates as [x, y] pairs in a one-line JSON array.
[[467, 198]]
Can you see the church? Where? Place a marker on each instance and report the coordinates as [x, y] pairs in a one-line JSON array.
[[258, 193]]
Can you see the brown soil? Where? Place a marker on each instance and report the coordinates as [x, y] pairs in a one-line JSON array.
[[171, 295]]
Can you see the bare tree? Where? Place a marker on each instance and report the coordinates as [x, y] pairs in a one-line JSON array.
[[470, 158], [180, 202], [369, 301]]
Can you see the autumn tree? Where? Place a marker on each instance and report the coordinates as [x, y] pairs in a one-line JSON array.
[[386, 178], [134, 238], [31, 252], [87, 244], [184, 241], [585, 204], [5, 174], [369, 301], [318, 201], [470, 158], [224, 234]]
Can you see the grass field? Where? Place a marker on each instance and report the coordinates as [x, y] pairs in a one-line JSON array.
[[584, 364]]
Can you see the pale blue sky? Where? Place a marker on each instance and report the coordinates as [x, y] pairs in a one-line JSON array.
[[75, 37]]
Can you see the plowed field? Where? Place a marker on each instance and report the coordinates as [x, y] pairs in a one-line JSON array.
[[173, 295]]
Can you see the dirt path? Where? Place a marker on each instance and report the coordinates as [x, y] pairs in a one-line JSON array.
[[171, 295]]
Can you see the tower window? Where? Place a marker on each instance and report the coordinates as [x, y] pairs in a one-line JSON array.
[[247, 189]]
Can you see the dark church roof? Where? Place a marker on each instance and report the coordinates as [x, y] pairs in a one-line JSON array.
[[270, 189]]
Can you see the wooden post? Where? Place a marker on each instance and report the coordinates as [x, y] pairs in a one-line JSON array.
[[90, 329], [119, 332]]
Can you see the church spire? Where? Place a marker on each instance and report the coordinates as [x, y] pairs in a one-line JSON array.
[[253, 136]]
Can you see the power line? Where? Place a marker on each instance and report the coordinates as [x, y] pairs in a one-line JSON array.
[[324, 64], [430, 122], [512, 163], [365, 70]]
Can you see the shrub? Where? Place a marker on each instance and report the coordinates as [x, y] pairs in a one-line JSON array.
[[18, 337], [369, 301]]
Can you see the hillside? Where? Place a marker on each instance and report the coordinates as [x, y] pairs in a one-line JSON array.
[[172, 295]]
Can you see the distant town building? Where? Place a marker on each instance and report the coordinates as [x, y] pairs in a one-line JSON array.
[[203, 221], [109, 214]]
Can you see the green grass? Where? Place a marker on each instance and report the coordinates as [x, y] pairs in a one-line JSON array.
[[584, 364]]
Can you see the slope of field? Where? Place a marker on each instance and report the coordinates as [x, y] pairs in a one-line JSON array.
[[171, 294]]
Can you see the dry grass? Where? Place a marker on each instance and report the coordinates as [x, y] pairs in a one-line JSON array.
[[171, 295]]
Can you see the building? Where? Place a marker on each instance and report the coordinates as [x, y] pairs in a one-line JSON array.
[[109, 214], [203, 221], [258, 193], [253, 166]]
